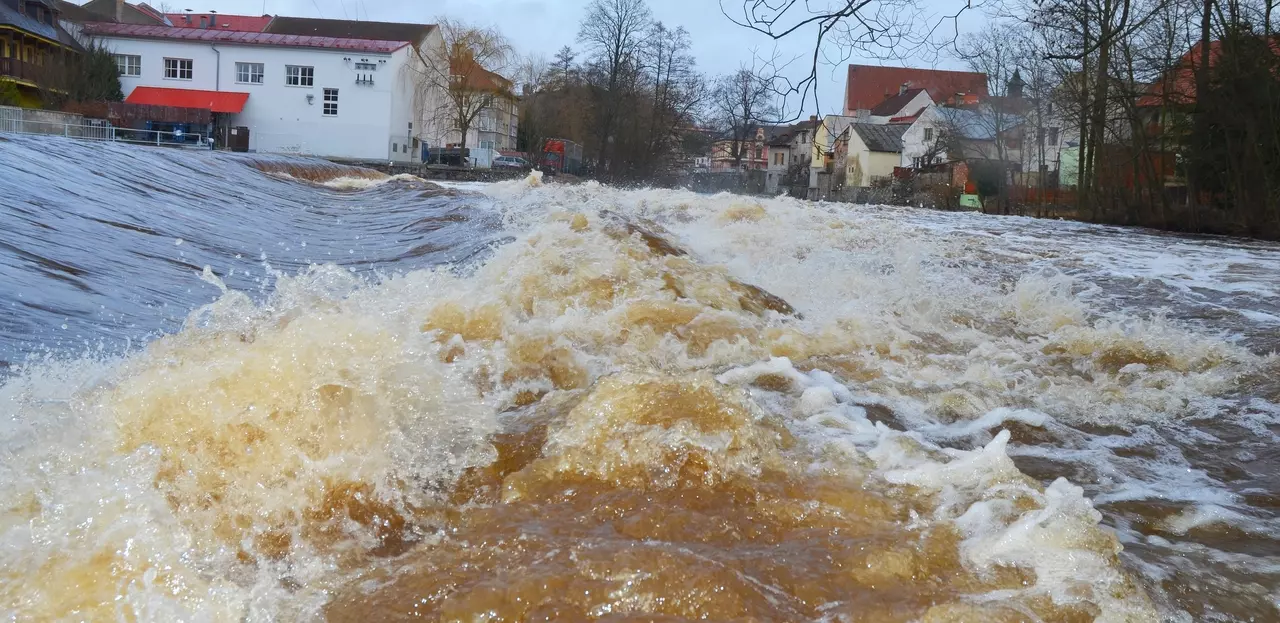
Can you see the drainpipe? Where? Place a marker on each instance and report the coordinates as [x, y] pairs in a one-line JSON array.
[[217, 81], [217, 76]]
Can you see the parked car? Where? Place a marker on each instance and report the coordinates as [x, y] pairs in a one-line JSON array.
[[511, 162]]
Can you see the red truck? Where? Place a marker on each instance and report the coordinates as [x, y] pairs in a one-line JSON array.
[[561, 156]]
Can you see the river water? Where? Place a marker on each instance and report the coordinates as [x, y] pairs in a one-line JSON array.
[[248, 388]]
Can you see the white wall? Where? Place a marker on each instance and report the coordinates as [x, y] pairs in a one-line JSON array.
[[921, 100], [370, 120], [862, 164], [913, 143], [1052, 149]]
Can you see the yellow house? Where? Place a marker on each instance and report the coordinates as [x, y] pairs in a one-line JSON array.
[[34, 49], [871, 152]]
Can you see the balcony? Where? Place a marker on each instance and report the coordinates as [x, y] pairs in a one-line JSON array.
[[21, 70]]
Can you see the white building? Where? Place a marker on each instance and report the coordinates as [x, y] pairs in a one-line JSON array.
[[344, 98], [907, 103]]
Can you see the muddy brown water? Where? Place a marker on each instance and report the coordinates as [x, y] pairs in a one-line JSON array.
[[266, 388]]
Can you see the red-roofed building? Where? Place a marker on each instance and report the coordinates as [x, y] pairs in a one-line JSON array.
[[320, 94], [908, 103], [869, 86], [496, 126], [1178, 86], [220, 21]]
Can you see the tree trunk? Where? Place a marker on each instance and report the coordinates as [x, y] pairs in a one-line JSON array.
[[1201, 120], [1099, 120], [1082, 154]]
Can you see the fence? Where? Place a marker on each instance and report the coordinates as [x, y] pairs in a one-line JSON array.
[[26, 121]]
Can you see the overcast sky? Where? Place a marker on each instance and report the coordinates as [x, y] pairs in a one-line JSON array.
[[544, 26]]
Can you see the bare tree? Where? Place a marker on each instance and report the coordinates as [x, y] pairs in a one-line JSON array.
[[994, 52], [457, 82], [842, 29], [533, 74], [613, 32], [740, 103], [562, 69], [676, 90]]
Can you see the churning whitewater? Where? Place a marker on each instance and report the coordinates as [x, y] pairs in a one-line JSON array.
[[552, 402]]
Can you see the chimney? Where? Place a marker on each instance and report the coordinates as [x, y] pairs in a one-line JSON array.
[[119, 11], [902, 89], [213, 19], [187, 17]]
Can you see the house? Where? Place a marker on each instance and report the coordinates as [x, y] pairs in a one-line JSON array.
[[946, 134], [906, 104], [822, 149], [754, 151], [496, 125], [34, 50], [116, 11], [789, 156], [868, 86], [316, 94], [214, 20], [867, 153]]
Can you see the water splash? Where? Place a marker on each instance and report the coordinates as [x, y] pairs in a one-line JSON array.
[[645, 403]]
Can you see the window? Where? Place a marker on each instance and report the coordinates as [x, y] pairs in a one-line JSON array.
[[486, 144], [249, 73], [928, 134], [331, 102], [780, 158], [1053, 136], [177, 68], [297, 76], [129, 65]]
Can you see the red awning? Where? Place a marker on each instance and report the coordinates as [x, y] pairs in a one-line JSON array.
[[216, 101]]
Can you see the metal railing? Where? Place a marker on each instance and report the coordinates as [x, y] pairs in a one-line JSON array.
[[97, 130]]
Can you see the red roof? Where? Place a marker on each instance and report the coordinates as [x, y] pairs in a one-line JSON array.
[[221, 21], [1178, 85], [869, 85], [216, 101], [137, 31], [895, 103], [478, 78]]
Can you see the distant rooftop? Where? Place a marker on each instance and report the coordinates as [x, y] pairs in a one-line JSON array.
[[220, 21], [137, 31], [870, 85], [895, 103], [878, 137], [348, 29]]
